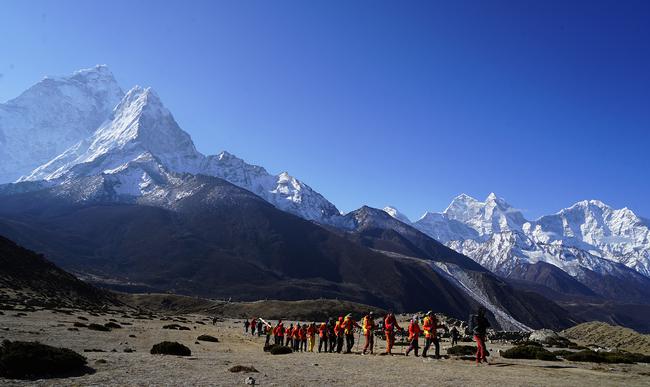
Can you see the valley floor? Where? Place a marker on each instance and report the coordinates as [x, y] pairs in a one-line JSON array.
[[210, 362]]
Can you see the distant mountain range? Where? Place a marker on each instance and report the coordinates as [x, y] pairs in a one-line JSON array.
[[604, 251], [122, 197]]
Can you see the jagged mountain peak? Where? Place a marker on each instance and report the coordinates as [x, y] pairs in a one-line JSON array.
[[492, 215], [52, 115], [139, 124], [395, 213]]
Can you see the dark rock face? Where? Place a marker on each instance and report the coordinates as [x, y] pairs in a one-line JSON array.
[[42, 283]]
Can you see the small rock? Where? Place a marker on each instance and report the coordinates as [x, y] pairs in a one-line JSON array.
[[249, 380]]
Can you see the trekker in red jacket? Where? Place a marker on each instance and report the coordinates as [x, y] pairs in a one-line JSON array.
[[390, 324], [414, 335]]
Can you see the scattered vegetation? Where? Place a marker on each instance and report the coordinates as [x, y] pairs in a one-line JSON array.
[[529, 352], [461, 350], [176, 327], [241, 368], [208, 338], [528, 342], [98, 327], [26, 360], [170, 348], [280, 350], [607, 357]]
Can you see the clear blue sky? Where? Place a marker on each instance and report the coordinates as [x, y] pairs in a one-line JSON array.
[[370, 102]]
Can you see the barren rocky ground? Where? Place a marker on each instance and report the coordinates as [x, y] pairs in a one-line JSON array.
[[210, 362]]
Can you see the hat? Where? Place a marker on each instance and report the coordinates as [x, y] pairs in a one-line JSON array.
[[340, 318], [429, 313], [370, 313]]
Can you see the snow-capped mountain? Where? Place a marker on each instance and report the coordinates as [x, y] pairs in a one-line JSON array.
[[51, 116], [589, 234], [395, 213], [139, 124], [141, 128], [283, 191], [488, 217], [616, 234]]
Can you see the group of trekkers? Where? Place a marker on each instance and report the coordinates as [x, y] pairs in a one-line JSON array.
[[337, 335]]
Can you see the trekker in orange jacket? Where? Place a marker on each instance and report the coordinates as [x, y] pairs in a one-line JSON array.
[[338, 332], [390, 324], [414, 335], [348, 330], [430, 326], [323, 334], [368, 325]]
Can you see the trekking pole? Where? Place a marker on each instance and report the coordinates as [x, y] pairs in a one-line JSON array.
[[374, 342], [356, 346]]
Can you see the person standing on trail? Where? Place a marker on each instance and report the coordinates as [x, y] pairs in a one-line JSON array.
[[253, 326], [348, 329], [414, 336], [259, 328], [323, 335], [455, 335], [339, 332], [295, 336], [268, 331], [246, 325], [303, 338], [368, 325], [430, 327], [278, 333], [478, 325], [390, 324], [332, 335], [289, 336], [311, 335]]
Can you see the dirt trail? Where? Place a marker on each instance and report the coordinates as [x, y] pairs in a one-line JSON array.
[[210, 362]]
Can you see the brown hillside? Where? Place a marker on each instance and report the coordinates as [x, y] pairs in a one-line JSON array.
[[609, 336]]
